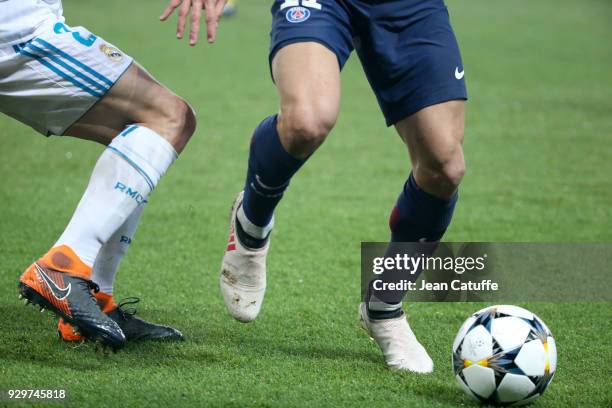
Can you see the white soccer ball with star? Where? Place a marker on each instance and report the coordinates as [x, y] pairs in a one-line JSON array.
[[504, 355]]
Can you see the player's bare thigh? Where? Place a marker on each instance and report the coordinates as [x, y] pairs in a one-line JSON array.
[[307, 77], [137, 98], [434, 137]]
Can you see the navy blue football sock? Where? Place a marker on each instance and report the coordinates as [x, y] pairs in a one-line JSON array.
[[270, 170], [419, 216]]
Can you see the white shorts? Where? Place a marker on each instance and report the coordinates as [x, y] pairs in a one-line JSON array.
[[51, 81]]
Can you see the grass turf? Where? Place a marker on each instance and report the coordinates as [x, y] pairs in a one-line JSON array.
[[538, 150]]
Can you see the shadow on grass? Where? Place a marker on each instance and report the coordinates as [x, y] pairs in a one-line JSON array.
[[266, 343], [446, 392], [32, 338]]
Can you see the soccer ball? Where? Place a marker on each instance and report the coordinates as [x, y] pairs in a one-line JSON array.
[[504, 355]]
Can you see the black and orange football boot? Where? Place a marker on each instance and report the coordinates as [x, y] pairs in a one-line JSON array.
[[61, 282], [134, 328]]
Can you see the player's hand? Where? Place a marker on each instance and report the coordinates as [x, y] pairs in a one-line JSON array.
[[193, 8]]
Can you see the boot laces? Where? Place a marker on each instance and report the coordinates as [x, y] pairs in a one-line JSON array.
[[128, 311]]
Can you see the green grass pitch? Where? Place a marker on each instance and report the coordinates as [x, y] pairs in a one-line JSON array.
[[539, 153]]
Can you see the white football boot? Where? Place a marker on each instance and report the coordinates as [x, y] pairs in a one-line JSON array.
[[243, 274], [399, 345]]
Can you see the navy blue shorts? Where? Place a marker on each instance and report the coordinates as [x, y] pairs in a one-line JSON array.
[[407, 47]]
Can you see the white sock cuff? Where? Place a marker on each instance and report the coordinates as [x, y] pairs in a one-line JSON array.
[[379, 306], [253, 230], [149, 153]]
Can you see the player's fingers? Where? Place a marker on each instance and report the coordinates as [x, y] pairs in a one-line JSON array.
[[194, 25], [211, 20], [220, 6], [182, 17], [169, 9]]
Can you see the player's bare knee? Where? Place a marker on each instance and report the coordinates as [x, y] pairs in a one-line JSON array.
[[444, 174], [175, 120], [188, 122], [453, 171], [182, 124], [304, 130]]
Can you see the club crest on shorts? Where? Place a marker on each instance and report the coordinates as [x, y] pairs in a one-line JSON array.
[[111, 52], [297, 14]]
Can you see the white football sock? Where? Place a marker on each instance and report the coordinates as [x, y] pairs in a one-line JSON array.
[[253, 230], [378, 305], [107, 263], [126, 172]]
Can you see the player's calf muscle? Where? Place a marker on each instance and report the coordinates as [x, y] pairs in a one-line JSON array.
[[152, 105], [174, 120], [138, 99]]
